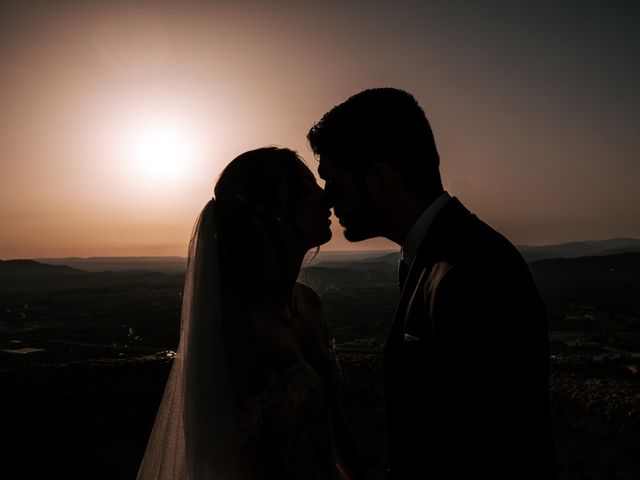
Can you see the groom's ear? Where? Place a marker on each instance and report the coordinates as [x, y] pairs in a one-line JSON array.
[[380, 182]]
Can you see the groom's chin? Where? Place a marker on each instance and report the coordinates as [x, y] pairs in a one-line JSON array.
[[327, 237], [356, 235]]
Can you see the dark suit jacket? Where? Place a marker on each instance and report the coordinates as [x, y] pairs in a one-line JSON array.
[[466, 364]]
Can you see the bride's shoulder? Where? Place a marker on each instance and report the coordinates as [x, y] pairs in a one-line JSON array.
[[307, 296], [310, 308]]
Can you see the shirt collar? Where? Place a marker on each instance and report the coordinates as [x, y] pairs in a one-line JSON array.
[[420, 227]]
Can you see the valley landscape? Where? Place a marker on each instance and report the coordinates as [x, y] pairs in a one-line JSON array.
[[86, 345]]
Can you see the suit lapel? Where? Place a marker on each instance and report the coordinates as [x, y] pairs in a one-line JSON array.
[[408, 292], [422, 264]]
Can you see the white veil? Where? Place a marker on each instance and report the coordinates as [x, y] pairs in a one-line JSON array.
[[195, 435]]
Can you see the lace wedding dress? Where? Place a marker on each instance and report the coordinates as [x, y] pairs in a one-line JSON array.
[[286, 427]]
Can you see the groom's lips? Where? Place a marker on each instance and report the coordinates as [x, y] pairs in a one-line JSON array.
[[342, 219]]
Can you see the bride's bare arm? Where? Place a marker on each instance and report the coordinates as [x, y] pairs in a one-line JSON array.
[[345, 451]]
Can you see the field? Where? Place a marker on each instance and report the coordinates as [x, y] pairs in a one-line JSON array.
[[83, 361]]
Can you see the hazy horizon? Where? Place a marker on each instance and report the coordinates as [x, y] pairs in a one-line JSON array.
[[119, 116], [323, 250]]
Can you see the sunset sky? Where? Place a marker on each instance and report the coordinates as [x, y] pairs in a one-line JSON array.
[[117, 116]]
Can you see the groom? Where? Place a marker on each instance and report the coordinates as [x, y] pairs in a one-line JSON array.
[[466, 360]]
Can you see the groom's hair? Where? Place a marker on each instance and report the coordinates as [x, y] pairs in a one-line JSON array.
[[380, 124]]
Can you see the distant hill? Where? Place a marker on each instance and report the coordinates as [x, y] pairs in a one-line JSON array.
[[619, 265], [580, 249], [121, 264], [341, 256], [178, 264], [21, 276], [607, 272], [593, 248], [358, 259], [374, 261], [390, 259], [23, 268], [608, 283]]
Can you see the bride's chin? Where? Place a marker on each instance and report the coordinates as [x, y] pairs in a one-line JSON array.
[[321, 240]]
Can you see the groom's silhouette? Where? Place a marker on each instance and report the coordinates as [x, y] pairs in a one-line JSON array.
[[466, 360]]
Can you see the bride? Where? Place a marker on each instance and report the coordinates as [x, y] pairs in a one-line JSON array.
[[252, 391]]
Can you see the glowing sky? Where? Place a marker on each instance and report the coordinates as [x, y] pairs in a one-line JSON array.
[[117, 117]]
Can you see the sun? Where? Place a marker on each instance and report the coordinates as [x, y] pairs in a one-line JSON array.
[[160, 151]]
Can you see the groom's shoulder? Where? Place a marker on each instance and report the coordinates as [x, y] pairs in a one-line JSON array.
[[468, 238]]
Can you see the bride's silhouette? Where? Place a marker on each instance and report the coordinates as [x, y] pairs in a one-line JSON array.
[[252, 391]]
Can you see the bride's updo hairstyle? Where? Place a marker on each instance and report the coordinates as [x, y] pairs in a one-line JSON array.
[[255, 200]]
